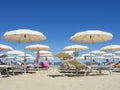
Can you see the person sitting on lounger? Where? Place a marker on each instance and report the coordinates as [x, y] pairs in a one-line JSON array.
[[117, 65]]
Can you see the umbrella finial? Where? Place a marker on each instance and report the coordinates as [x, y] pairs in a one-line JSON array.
[[90, 36], [24, 35]]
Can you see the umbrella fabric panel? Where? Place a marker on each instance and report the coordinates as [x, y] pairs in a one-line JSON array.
[[22, 35], [37, 47], [75, 47], [91, 36]]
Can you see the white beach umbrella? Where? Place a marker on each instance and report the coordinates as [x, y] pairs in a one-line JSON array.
[[47, 54], [31, 58], [44, 52], [5, 47], [37, 47], [27, 55], [3, 55], [117, 52], [24, 35], [116, 57], [108, 54], [99, 57], [88, 55], [75, 48], [97, 52], [69, 52], [91, 36], [80, 58], [48, 58], [110, 48], [15, 52], [13, 58]]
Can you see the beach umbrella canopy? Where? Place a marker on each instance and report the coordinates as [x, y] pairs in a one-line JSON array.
[[91, 36], [5, 47], [80, 58], [117, 52], [97, 52], [117, 57], [48, 58], [110, 48], [69, 52], [99, 57], [45, 53], [31, 58], [63, 56], [3, 55], [37, 47], [14, 52], [27, 55], [108, 54], [88, 54], [13, 58], [23, 35], [75, 48]]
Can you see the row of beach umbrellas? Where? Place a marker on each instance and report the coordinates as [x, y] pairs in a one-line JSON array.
[[25, 36], [91, 37]]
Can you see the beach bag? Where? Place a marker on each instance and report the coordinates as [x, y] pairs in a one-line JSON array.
[[2, 63], [101, 63], [45, 64]]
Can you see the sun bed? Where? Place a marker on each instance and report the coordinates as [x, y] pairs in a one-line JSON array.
[[79, 66], [4, 68], [102, 67]]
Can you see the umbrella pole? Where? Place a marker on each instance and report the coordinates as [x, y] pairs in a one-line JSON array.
[[25, 66], [91, 49], [91, 53], [91, 56], [37, 59], [24, 54], [113, 57]]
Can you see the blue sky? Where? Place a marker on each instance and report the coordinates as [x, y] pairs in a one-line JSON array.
[[58, 20]]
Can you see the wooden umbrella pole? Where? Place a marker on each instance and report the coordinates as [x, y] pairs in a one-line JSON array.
[[91, 49], [25, 64]]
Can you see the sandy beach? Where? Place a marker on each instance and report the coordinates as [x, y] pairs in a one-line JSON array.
[[53, 80]]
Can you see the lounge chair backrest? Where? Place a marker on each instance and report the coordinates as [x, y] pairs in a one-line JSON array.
[[2, 63], [77, 64]]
